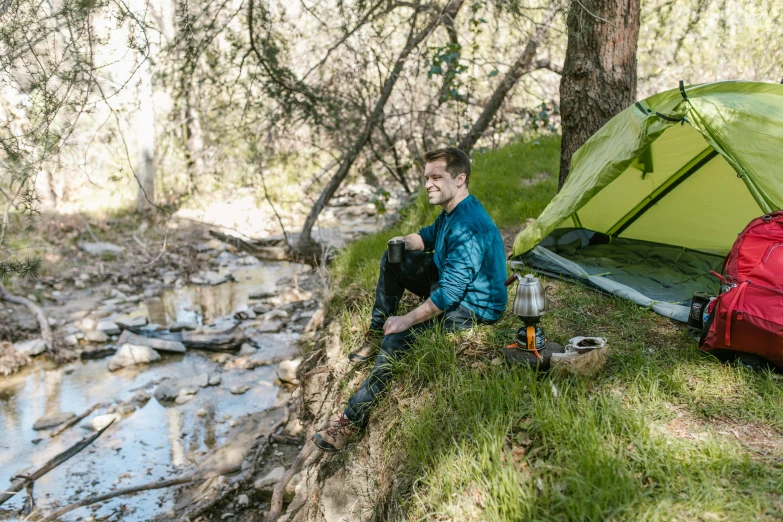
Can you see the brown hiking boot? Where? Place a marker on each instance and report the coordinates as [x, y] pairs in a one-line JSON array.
[[371, 344], [336, 434]]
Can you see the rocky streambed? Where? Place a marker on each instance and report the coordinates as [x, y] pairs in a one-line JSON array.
[[187, 375]]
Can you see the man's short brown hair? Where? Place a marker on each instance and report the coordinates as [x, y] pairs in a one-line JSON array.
[[457, 162]]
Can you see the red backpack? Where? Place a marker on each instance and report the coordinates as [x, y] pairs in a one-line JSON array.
[[749, 317]]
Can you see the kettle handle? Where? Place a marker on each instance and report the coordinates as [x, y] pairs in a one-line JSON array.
[[510, 280]]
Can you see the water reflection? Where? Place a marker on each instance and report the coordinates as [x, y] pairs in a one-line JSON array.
[[156, 441], [203, 304]]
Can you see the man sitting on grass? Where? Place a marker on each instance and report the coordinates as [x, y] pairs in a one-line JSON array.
[[462, 280]]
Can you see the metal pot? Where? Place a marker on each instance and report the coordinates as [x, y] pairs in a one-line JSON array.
[[530, 301]]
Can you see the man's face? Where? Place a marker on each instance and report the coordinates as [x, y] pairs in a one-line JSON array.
[[441, 187]]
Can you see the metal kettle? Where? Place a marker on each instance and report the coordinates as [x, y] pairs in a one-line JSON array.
[[530, 302]]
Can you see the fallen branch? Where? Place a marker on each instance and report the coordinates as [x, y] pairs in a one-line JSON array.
[[270, 250], [75, 420], [21, 481], [145, 487], [277, 497], [43, 323]]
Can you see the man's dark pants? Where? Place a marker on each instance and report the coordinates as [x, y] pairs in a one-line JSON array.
[[418, 274]]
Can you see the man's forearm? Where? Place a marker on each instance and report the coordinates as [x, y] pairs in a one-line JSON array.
[[424, 312], [413, 242]]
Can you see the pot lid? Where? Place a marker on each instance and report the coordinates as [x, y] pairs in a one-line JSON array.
[[530, 280]]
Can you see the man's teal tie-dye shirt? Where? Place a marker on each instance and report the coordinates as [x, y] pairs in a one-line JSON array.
[[470, 259]]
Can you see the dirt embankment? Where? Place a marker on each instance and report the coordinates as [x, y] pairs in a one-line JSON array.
[[352, 485]]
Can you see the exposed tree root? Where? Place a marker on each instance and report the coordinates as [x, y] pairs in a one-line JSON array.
[[277, 497], [43, 323]]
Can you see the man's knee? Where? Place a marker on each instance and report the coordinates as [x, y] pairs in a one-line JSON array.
[[392, 343]]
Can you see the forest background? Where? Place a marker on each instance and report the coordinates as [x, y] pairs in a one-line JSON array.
[[185, 107]]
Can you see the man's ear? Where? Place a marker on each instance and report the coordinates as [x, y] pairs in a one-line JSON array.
[[461, 179]]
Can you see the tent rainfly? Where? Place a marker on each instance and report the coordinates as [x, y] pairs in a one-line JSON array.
[[655, 199]]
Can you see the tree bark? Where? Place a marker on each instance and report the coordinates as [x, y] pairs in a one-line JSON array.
[[522, 66], [599, 73], [306, 246]]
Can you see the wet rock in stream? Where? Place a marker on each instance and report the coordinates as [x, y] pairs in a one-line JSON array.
[[272, 326], [247, 349], [96, 336], [54, 419], [108, 327], [171, 389], [131, 322], [157, 344], [31, 348], [286, 371], [239, 389], [184, 399], [179, 326], [131, 355], [101, 421]]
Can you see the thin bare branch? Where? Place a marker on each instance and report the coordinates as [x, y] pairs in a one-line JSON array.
[[522, 66]]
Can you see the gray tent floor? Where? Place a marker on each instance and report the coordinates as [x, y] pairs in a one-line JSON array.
[[662, 277]]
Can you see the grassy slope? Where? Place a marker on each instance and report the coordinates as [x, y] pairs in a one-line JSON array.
[[664, 432]]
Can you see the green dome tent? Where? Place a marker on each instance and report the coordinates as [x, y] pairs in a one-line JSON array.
[[655, 199]]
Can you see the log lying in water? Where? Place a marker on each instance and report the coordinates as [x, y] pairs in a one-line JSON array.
[[17, 483], [271, 250]]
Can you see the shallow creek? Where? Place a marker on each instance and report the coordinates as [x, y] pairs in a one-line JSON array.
[[156, 441]]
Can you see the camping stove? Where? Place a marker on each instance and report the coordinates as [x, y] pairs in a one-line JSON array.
[[530, 303]]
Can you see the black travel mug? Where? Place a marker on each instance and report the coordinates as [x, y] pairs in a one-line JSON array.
[[396, 249]]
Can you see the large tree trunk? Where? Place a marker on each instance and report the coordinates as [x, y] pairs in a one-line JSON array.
[[306, 246], [599, 73], [522, 66]]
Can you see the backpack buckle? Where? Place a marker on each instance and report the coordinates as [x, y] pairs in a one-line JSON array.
[[766, 218]]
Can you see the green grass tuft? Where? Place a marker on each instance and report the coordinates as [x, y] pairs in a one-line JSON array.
[[664, 432]]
